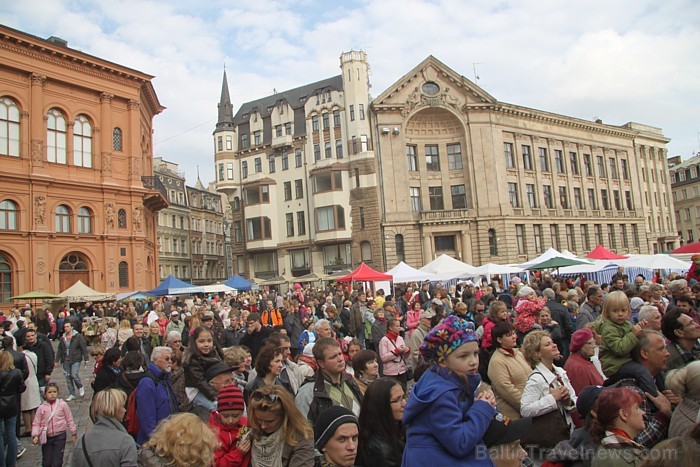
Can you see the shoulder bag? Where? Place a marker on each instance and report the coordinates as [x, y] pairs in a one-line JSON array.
[[548, 429]]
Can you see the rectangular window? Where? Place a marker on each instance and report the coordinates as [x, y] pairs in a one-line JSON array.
[[220, 143], [635, 235], [336, 118], [364, 143], [570, 239], [258, 137], [326, 120], [554, 233], [513, 194], [592, 199], [527, 157], [244, 141], [612, 241], [559, 161], [328, 150], [573, 163], [617, 200], [298, 188], [624, 169], [285, 160], [229, 170], [564, 197], [299, 260], [297, 158], [628, 200], [301, 222], [613, 168], [520, 238], [537, 230], [587, 165], [287, 191], [271, 163], [244, 169], [436, 201], [510, 157], [623, 234], [221, 171], [585, 238], [432, 158], [454, 156], [330, 218], [328, 181], [317, 152], [278, 130], [288, 128], [314, 123], [229, 143], [604, 199], [578, 198], [531, 197], [352, 113], [411, 158], [362, 218], [601, 166], [362, 111], [258, 165], [289, 217], [259, 228], [339, 149], [354, 145], [459, 197], [598, 231], [415, 199], [547, 192], [544, 160]]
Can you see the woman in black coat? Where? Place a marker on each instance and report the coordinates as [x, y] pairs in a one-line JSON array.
[[11, 386], [106, 376], [381, 440]]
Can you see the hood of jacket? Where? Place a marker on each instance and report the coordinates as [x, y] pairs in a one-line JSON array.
[[433, 384]]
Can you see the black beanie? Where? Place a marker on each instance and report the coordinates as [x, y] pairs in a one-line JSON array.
[[328, 421]]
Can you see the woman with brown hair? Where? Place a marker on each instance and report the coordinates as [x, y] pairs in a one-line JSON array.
[[268, 367], [281, 434]]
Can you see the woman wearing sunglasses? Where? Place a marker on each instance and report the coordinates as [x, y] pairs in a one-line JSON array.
[[281, 434]]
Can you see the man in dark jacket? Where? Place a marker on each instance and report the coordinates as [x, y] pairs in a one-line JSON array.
[[145, 346], [331, 385], [44, 356], [560, 314], [255, 334], [233, 334], [294, 328], [72, 350]]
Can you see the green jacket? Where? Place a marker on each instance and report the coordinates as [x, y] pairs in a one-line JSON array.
[[617, 344], [616, 451]]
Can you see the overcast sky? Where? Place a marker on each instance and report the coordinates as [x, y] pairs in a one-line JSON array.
[[618, 60]]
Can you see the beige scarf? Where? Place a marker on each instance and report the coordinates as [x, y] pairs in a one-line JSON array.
[[267, 451]]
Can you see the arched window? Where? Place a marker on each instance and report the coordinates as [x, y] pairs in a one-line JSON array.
[[72, 262], [56, 137], [400, 254], [84, 221], [366, 251], [63, 219], [8, 215], [9, 127], [82, 142], [493, 246], [5, 280], [121, 219], [123, 274], [117, 139]]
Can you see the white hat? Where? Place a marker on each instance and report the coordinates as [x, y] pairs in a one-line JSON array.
[[525, 291]]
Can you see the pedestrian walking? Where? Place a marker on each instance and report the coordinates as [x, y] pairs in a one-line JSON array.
[[52, 421], [72, 349]]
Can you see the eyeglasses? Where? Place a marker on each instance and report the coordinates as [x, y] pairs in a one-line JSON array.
[[258, 396], [402, 399]]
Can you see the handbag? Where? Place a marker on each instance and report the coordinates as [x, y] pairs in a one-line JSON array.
[[548, 429], [43, 434]]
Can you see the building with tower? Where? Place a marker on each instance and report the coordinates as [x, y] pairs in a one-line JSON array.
[[78, 200], [300, 171]]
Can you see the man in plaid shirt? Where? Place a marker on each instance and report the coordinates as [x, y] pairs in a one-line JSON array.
[[652, 354]]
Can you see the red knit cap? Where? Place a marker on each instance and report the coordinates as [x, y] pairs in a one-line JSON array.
[[230, 398]]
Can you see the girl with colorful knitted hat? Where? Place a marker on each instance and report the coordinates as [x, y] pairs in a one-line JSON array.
[[445, 418]]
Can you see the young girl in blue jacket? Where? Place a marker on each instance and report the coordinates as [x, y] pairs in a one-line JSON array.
[[446, 419]]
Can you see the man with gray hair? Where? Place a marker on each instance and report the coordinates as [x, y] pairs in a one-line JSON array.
[[155, 396], [323, 329], [678, 288], [652, 316], [173, 340], [591, 308]]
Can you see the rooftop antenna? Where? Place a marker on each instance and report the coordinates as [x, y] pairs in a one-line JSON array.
[[197, 171], [476, 77]]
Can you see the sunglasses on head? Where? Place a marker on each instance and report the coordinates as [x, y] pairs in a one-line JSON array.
[[258, 396]]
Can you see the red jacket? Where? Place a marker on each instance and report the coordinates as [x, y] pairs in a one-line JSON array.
[[227, 454]]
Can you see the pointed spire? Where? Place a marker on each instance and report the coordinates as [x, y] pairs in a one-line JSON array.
[[225, 107], [199, 185]]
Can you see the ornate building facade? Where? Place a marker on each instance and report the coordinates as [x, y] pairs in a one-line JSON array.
[[207, 235], [78, 200], [685, 183], [299, 169], [486, 181]]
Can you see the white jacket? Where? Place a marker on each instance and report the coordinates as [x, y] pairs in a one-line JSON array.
[[536, 399]]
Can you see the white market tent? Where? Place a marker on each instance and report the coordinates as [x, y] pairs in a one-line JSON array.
[[549, 254], [446, 267], [402, 272], [490, 269], [658, 261], [214, 288], [80, 292]]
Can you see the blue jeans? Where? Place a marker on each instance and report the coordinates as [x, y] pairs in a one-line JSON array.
[[70, 370], [7, 429]]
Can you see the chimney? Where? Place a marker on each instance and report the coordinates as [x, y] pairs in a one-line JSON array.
[[58, 41]]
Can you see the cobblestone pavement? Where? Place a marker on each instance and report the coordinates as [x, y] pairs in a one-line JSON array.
[[79, 407]]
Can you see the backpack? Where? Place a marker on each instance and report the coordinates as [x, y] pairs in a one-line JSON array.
[[131, 420]]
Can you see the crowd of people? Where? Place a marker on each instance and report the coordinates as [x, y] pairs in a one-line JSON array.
[[574, 372]]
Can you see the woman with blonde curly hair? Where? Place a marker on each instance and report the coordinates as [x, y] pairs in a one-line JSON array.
[[281, 434], [182, 440]]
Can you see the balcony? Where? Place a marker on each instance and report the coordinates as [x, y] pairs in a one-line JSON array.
[[279, 142], [157, 197], [446, 215]]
